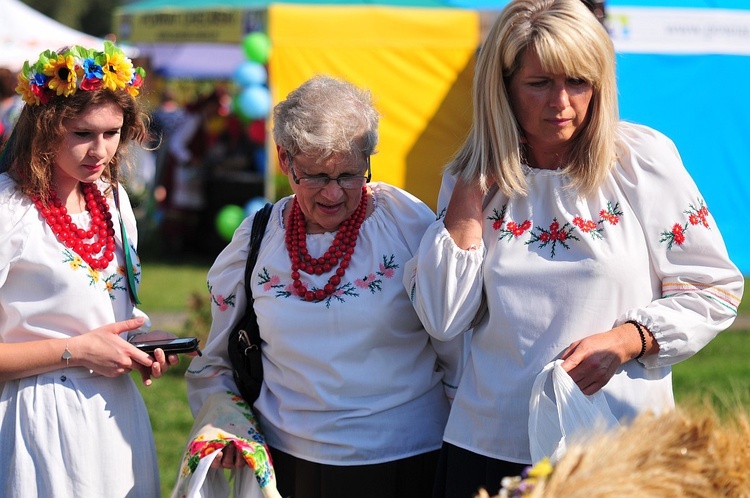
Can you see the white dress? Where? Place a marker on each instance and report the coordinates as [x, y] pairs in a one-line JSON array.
[[555, 268], [67, 433], [350, 380]]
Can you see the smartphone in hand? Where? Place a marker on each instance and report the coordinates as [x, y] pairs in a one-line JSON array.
[[170, 346]]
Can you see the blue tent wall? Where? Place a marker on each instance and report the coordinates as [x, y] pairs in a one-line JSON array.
[[698, 101]]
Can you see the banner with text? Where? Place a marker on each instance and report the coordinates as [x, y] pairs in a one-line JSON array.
[[225, 25], [679, 31]]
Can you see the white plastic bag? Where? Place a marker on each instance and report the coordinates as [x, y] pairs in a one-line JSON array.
[[553, 421]]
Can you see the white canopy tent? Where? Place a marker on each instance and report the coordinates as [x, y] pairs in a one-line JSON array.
[[25, 33]]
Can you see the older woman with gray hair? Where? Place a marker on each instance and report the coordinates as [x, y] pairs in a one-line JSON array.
[[355, 394]]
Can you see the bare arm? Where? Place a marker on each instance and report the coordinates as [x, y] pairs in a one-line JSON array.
[[101, 350], [463, 218]]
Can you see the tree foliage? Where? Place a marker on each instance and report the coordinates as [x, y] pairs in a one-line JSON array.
[[93, 17]]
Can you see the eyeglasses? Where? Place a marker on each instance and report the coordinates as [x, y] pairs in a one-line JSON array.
[[320, 181]]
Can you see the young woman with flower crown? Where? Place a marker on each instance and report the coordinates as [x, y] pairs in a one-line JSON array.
[[72, 422]]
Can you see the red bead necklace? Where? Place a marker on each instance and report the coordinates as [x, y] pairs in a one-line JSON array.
[[339, 253], [101, 229]]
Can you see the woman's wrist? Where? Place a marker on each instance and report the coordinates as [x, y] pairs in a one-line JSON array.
[[66, 355], [642, 332]]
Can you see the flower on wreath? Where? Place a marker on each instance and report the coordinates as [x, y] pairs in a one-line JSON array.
[[62, 74], [93, 74], [117, 69], [523, 485], [133, 87], [31, 87], [77, 68]]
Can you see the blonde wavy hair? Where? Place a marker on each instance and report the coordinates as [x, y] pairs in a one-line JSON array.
[[568, 40]]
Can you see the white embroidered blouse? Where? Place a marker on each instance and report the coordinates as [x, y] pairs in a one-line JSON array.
[[556, 268], [47, 291], [352, 379]]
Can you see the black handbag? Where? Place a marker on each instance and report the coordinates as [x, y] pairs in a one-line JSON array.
[[244, 339]]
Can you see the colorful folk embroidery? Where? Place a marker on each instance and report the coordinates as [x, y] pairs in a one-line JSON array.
[[511, 229], [252, 446], [222, 302], [696, 215], [556, 233], [372, 281], [111, 284]]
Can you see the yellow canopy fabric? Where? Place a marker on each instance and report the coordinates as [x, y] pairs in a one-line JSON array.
[[418, 64]]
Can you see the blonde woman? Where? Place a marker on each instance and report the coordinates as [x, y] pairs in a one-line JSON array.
[[585, 237]]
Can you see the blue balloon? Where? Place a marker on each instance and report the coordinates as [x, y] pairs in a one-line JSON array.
[[250, 74], [259, 158], [254, 102], [254, 205]]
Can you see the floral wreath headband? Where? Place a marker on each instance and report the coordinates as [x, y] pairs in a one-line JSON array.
[[78, 68]]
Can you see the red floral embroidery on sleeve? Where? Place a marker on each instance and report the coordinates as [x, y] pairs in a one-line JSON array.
[[697, 216], [222, 302]]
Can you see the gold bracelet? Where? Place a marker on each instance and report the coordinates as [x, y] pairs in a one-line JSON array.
[[67, 355]]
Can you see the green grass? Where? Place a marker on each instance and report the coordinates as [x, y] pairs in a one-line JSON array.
[[171, 420], [744, 308], [168, 287], [171, 287], [719, 372]]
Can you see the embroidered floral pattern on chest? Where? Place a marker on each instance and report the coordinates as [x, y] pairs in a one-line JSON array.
[[556, 233], [113, 283], [511, 229], [697, 215], [373, 282]]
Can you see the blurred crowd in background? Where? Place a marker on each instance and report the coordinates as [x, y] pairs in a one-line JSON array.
[[203, 157]]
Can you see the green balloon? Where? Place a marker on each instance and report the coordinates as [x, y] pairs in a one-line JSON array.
[[257, 47], [228, 219]]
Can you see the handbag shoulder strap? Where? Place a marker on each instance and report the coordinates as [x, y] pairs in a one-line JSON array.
[[132, 290], [256, 237]]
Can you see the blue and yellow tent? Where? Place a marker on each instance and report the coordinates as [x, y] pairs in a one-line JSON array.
[[682, 66], [416, 57]]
